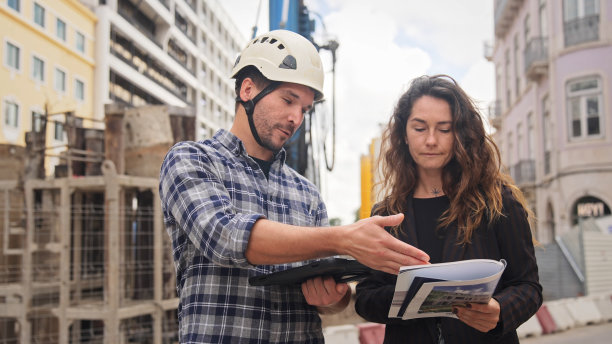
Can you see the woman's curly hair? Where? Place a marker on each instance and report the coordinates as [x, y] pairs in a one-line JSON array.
[[472, 179]]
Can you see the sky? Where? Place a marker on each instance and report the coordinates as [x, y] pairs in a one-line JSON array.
[[384, 44]]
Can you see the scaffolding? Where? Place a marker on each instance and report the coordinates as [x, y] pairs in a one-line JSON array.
[[86, 259]]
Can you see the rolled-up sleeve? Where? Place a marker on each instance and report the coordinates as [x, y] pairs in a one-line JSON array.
[[196, 201]]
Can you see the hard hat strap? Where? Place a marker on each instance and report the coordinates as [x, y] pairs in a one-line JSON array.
[[249, 107]]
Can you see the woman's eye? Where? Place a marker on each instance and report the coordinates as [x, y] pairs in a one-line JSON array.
[[445, 130], [288, 101], [419, 129]]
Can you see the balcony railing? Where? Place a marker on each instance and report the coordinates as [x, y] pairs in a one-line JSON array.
[[581, 30], [505, 12], [523, 172], [488, 51], [137, 19], [536, 57], [495, 113]]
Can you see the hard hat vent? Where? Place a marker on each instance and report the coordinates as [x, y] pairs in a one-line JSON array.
[[288, 63]]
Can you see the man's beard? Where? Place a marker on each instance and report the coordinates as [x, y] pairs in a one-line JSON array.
[[266, 134]]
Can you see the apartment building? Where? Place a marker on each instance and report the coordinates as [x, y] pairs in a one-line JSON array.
[[552, 114], [47, 70], [172, 52]]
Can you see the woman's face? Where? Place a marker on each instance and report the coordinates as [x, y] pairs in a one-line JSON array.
[[429, 134]]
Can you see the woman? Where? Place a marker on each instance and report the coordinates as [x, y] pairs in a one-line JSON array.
[[442, 171]]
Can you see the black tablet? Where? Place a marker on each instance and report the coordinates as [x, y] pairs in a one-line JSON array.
[[343, 270]]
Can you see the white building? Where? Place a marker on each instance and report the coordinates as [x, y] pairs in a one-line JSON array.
[[175, 52], [553, 65]]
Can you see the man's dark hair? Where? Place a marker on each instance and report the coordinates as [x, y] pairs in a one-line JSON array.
[[254, 74]]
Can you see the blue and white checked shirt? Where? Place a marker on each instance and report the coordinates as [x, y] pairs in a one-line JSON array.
[[212, 193]]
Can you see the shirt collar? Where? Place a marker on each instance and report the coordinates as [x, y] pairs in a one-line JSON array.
[[235, 145]]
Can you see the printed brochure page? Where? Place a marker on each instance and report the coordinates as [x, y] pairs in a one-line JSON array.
[[432, 290]]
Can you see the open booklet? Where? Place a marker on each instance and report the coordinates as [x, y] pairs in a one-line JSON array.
[[432, 290]]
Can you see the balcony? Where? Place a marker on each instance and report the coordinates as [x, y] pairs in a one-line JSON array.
[[523, 172], [495, 116], [139, 19], [581, 30], [488, 50], [505, 14], [536, 58]]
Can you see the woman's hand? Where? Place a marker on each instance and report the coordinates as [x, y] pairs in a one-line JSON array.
[[483, 317]]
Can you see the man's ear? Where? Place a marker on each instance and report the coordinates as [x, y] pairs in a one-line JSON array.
[[247, 89]]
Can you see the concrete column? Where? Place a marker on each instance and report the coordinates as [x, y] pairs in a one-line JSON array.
[[102, 58]]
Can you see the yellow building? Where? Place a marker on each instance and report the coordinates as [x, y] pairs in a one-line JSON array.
[[47, 68], [370, 178]]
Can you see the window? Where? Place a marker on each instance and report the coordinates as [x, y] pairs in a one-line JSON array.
[[12, 57], [11, 114], [79, 89], [510, 152], [15, 4], [60, 80], [517, 75], [519, 142], [584, 106], [580, 21], [39, 15], [58, 131], [526, 28], [546, 134], [543, 19], [530, 137], [37, 121], [60, 29], [507, 72], [80, 42], [38, 69]]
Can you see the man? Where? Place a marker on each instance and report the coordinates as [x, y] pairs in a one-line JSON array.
[[233, 209]]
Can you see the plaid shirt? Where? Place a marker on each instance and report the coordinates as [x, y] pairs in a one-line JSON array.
[[212, 193]]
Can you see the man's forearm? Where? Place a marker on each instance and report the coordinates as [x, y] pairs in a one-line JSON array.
[[276, 243], [365, 240]]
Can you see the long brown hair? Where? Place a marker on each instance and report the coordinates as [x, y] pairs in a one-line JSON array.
[[472, 179]]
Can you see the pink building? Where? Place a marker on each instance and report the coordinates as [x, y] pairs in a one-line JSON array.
[[553, 73]]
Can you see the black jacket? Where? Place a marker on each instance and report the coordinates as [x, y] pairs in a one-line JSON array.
[[519, 292]]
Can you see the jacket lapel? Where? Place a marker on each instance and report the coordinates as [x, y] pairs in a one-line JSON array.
[[408, 233], [452, 251]]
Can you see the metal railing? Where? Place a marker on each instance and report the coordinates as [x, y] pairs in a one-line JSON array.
[[523, 172], [581, 30], [536, 50]]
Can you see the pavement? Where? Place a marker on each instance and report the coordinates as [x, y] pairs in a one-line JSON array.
[[591, 334]]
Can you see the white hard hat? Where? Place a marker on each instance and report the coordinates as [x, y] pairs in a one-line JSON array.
[[285, 56]]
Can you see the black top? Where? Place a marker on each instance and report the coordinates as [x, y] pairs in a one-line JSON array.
[[264, 165], [427, 212], [519, 292]]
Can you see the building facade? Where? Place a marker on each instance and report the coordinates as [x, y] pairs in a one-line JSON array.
[[553, 102], [47, 69], [172, 52]]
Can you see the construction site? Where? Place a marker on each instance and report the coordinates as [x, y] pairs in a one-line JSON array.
[[84, 255]]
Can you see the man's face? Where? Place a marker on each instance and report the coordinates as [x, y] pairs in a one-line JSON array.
[[279, 114]]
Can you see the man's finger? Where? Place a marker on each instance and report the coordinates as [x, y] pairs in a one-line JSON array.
[[409, 254], [391, 220]]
